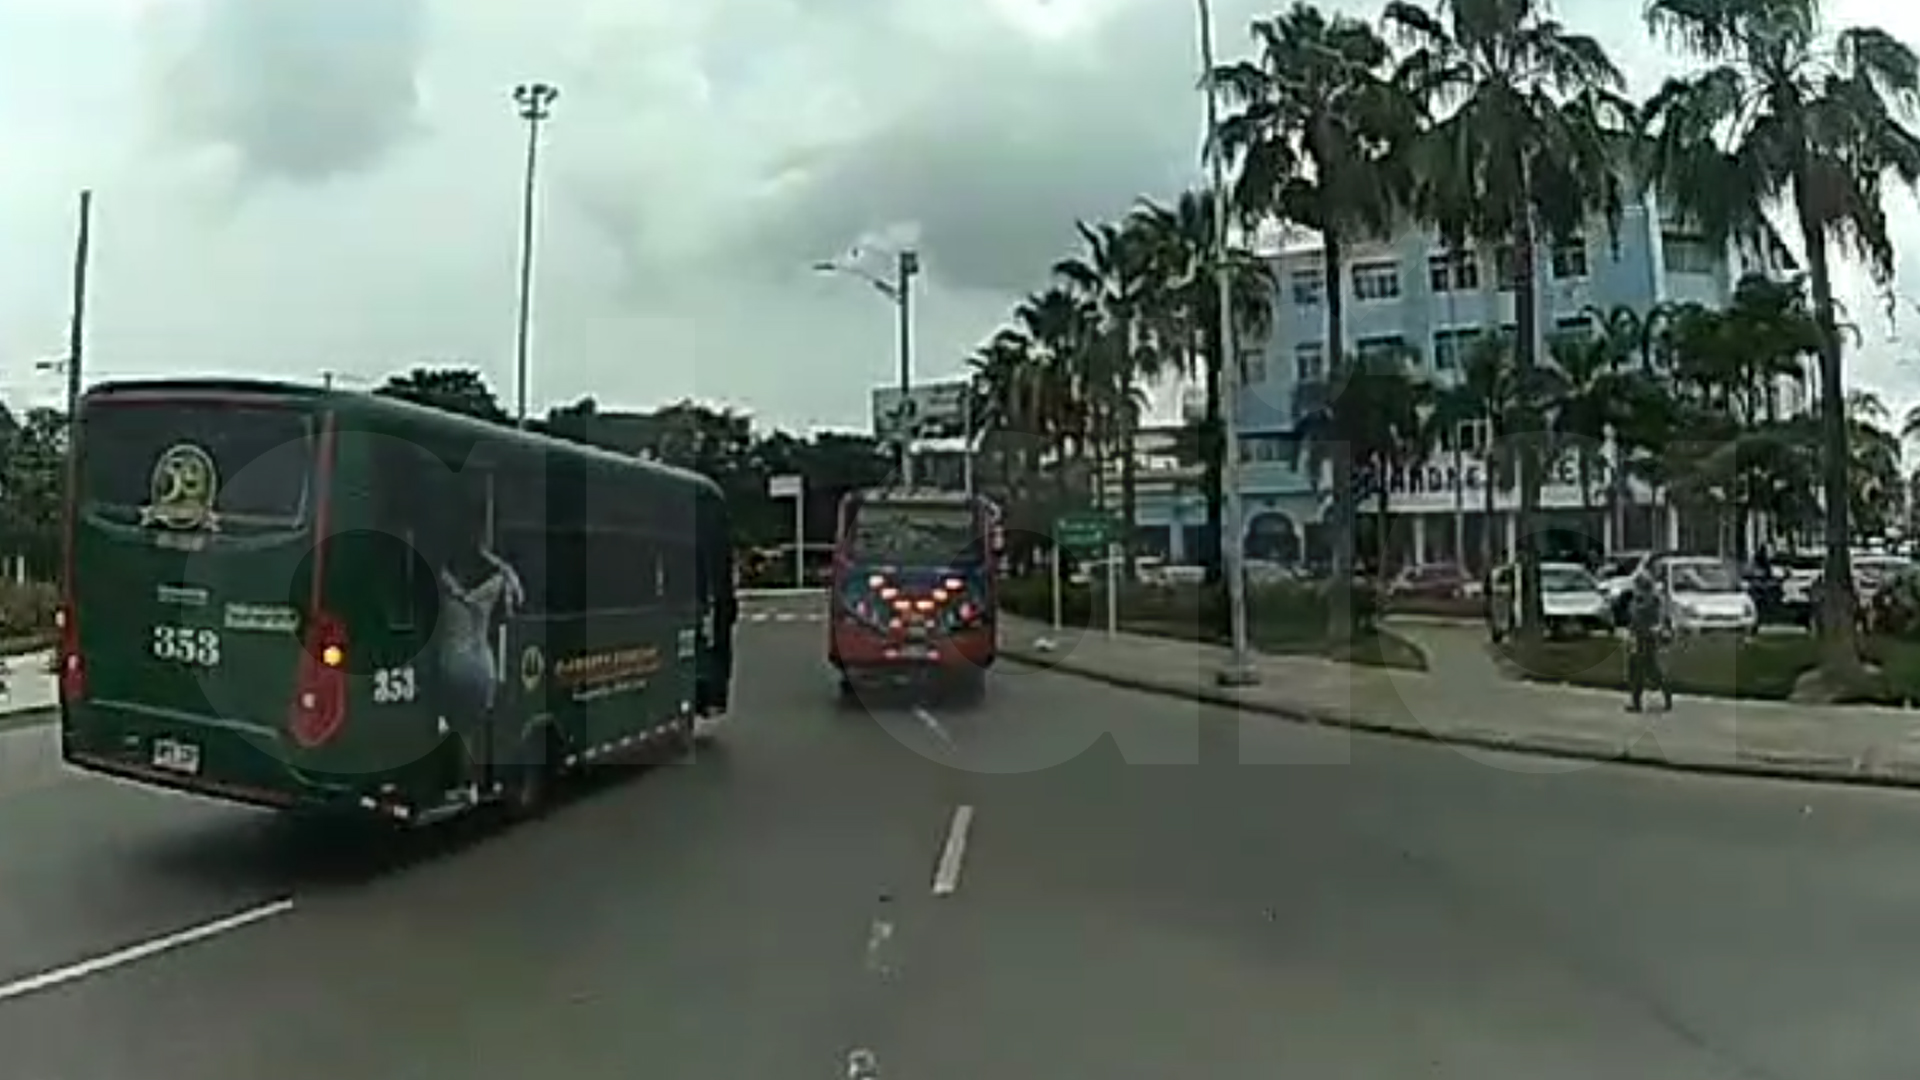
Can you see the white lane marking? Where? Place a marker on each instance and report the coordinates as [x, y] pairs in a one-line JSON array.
[[785, 616], [946, 877], [934, 727], [47, 980]]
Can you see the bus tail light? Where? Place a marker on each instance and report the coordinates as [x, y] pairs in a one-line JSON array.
[[73, 669], [319, 707]]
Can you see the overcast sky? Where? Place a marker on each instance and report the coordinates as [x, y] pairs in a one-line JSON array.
[[287, 186]]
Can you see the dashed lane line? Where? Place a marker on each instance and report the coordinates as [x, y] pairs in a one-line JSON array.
[[133, 954], [946, 876]]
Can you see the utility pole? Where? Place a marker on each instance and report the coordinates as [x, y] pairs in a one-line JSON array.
[[1239, 670], [899, 290], [76, 330], [906, 265], [536, 106]]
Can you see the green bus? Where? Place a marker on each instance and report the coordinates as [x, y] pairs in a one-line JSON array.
[[318, 600]]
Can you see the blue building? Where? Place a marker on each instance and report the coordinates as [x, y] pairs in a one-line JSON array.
[[1410, 290]]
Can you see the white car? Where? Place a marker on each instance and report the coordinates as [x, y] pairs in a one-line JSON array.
[[1705, 594], [1570, 599]]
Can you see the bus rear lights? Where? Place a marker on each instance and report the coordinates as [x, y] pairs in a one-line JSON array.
[[877, 581], [923, 605], [73, 670], [940, 595], [954, 584], [889, 593]]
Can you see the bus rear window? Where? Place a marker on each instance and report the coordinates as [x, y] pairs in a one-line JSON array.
[[914, 534], [262, 459]]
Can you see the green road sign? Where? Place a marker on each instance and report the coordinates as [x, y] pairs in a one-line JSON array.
[[1083, 532]]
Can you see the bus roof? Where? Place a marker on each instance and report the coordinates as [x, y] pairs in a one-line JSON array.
[[915, 495], [397, 409]]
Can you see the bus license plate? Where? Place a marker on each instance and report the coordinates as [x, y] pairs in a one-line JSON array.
[[920, 652], [175, 756]]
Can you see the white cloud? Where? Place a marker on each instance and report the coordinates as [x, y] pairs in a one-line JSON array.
[[292, 185]]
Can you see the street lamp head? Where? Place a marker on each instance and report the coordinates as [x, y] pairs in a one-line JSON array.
[[536, 99]]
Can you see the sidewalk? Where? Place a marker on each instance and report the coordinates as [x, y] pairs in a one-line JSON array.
[[1462, 705], [28, 685]]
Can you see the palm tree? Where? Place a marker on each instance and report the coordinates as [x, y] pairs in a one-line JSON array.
[[1529, 136], [1115, 279], [1489, 391], [1181, 308], [1790, 116], [1315, 125], [1372, 412]]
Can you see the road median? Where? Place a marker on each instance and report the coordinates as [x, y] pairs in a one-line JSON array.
[[1476, 710]]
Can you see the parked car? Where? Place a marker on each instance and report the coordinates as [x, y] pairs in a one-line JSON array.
[[1433, 581], [1705, 593], [1798, 574], [1570, 601]]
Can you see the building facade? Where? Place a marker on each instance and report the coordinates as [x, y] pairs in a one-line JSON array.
[[1411, 290]]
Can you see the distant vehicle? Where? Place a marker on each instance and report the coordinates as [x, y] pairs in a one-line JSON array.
[[1433, 581], [1798, 574], [1570, 601], [288, 597], [1705, 593], [913, 596]]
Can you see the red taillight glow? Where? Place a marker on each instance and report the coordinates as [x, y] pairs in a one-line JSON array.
[[319, 707], [73, 669]]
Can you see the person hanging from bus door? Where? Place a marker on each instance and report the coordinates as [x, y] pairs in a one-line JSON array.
[[1647, 628], [470, 667]]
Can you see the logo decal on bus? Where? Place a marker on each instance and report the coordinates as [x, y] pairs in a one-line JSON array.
[[182, 490], [533, 667]]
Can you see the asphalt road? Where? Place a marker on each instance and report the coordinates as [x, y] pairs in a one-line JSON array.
[[769, 908]]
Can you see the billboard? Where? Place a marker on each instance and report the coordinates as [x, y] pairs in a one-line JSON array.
[[934, 410]]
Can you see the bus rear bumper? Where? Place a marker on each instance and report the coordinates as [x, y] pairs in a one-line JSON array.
[[221, 760], [857, 647]]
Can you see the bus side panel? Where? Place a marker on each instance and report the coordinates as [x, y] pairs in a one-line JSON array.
[[623, 571], [380, 587]]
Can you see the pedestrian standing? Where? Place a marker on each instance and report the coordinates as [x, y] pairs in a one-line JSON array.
[[1647, 627]]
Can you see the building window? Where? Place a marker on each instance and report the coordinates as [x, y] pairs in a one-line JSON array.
[[1506, 268], [1454, 271], [1386, 346], [1309, 287], [1253, 367], [1309, 362], [1471, 436], [1688, 254], [1376, 281], [1450, 347], [1570, 260], [1263, 448]]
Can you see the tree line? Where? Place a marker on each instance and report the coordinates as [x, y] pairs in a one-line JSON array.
[[1507, 135]]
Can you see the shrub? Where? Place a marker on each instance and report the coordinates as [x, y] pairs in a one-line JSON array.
[[27, 608]]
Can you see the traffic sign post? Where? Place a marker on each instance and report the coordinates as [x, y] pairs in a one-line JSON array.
[[1085, 534], [793, 486]]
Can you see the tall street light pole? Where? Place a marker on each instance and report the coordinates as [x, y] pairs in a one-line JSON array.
[[536, 106], [899, 289], [1239, 670], [76, 329]]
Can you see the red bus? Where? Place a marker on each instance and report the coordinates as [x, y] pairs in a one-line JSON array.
[[913, 593]]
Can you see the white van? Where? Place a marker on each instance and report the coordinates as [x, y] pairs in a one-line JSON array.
[[1570, 599]]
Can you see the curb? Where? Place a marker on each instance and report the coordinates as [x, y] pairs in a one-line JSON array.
[[1813, 769]]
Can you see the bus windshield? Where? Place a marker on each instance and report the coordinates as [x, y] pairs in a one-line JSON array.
[[915, 535], [261, 459]]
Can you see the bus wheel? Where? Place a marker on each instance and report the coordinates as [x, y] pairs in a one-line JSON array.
[[530, 782]]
